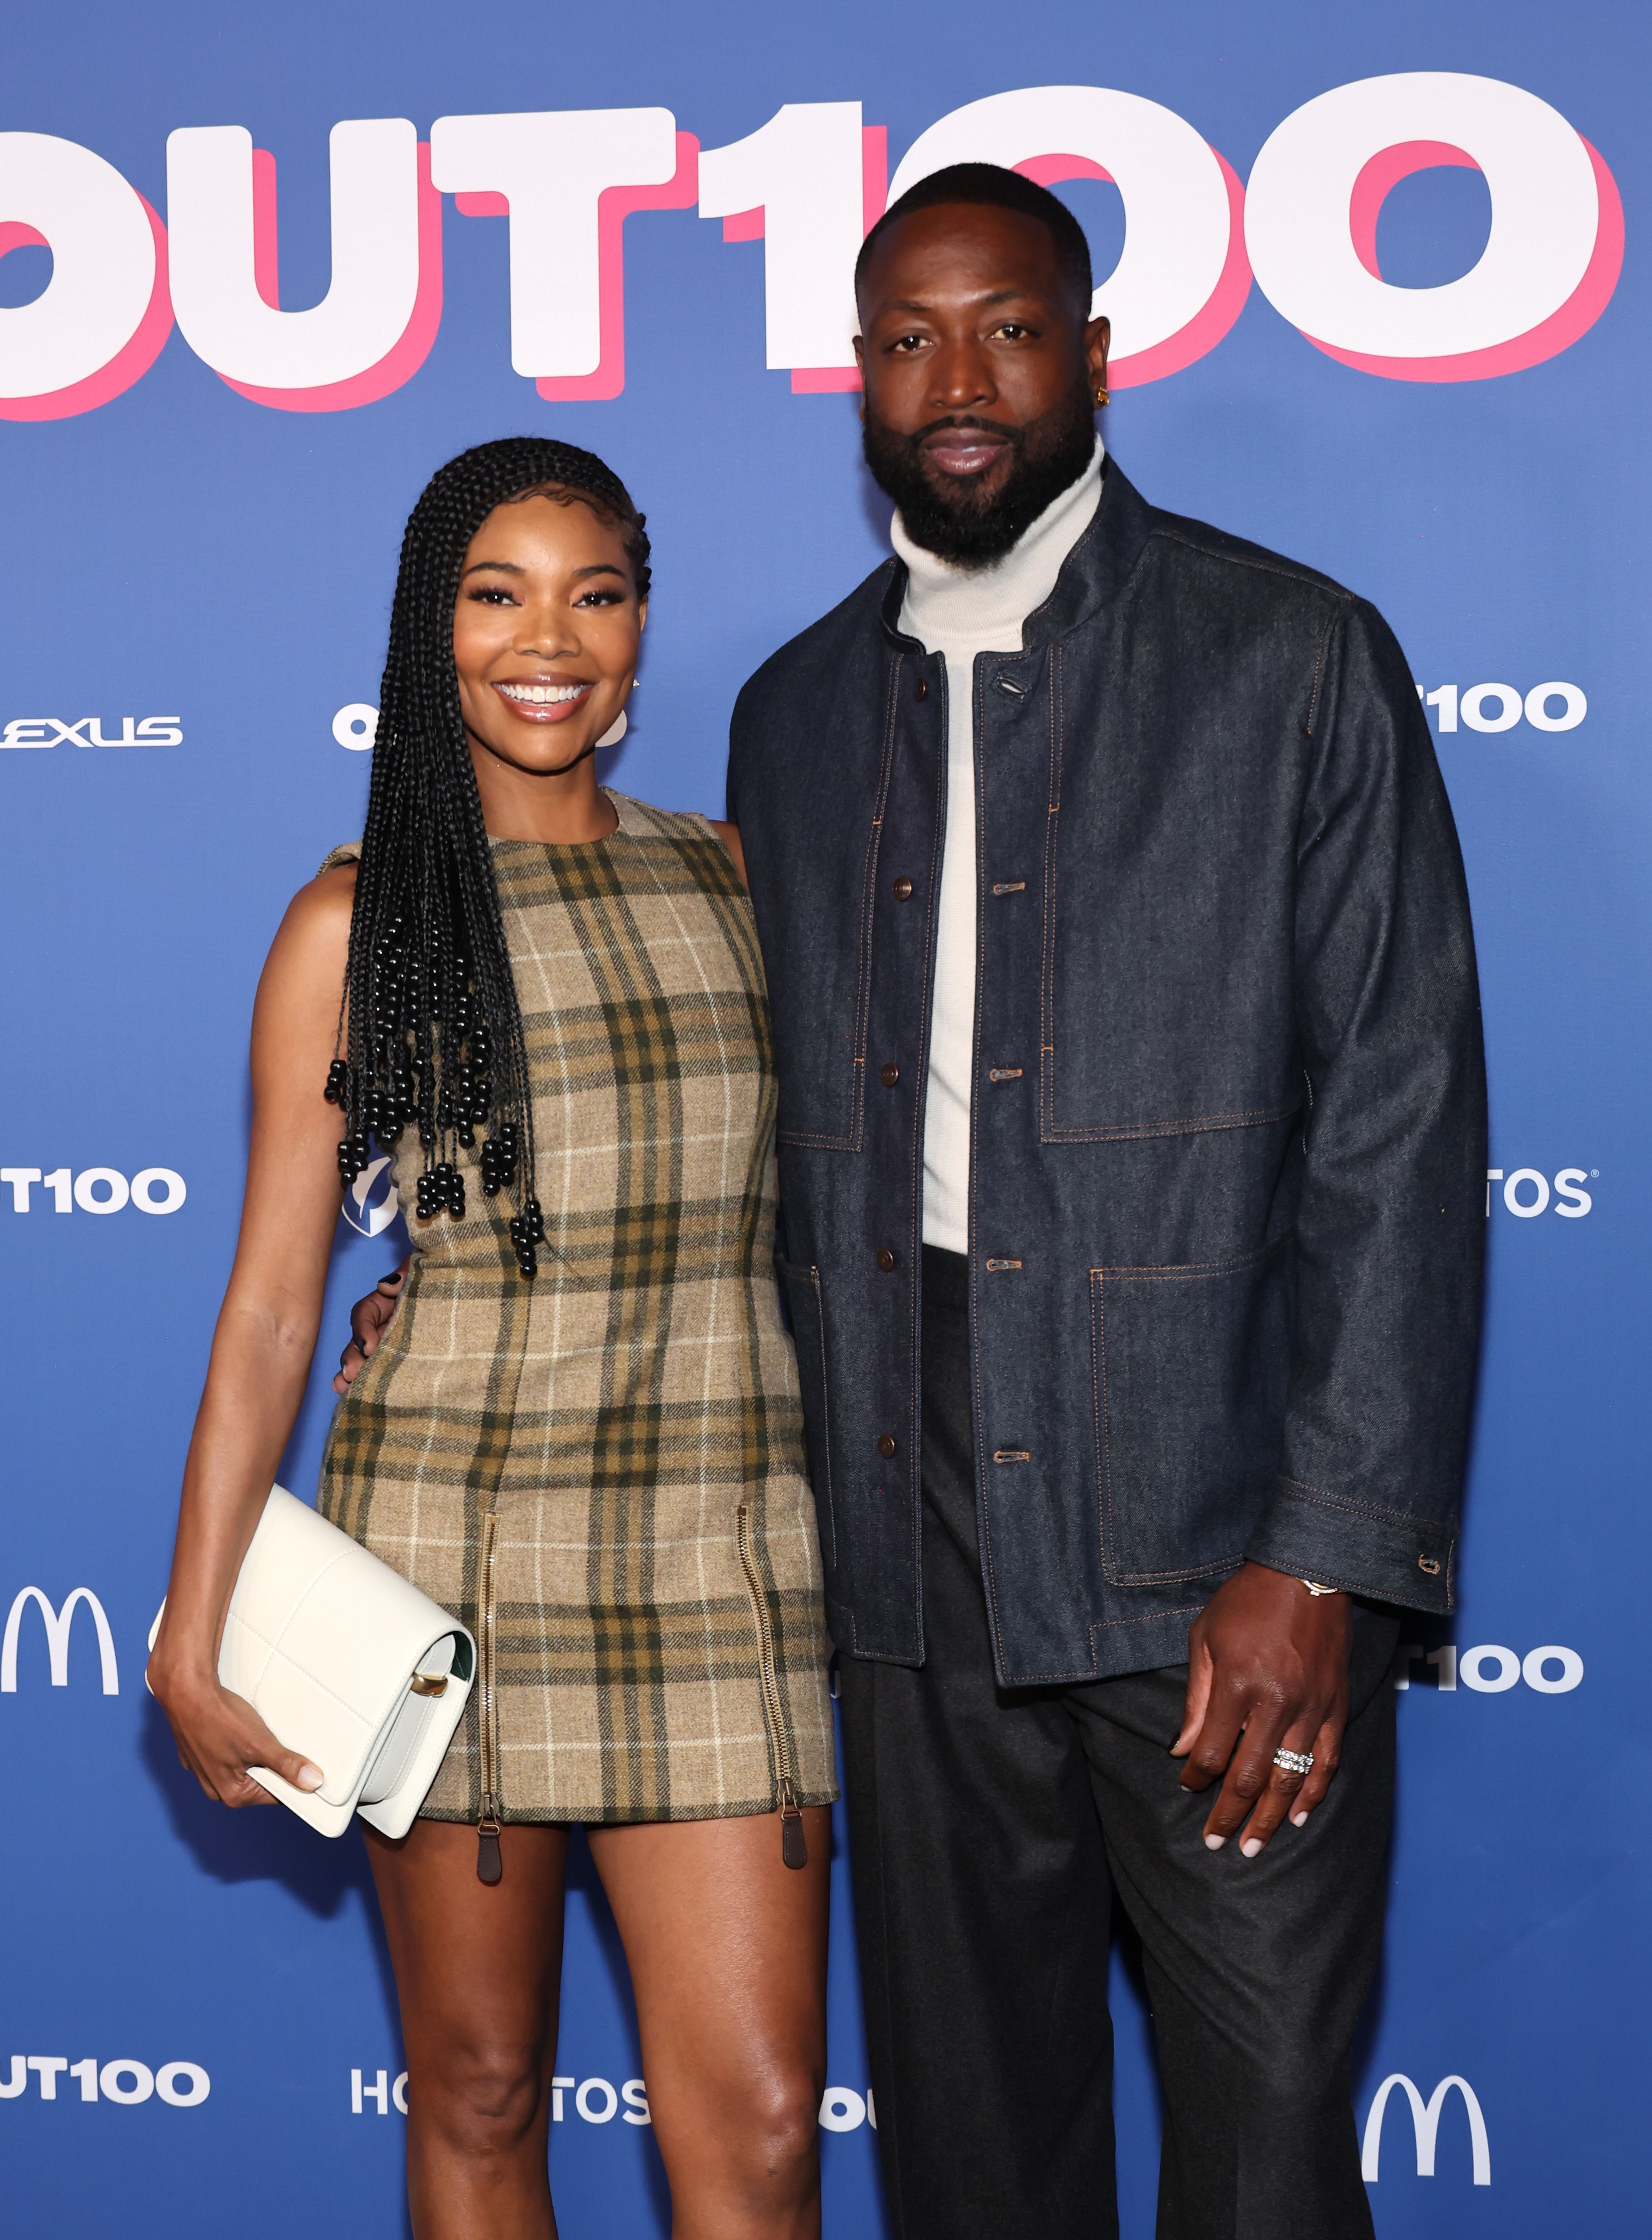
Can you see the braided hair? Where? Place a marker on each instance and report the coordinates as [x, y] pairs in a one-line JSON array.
[[430, 1028]]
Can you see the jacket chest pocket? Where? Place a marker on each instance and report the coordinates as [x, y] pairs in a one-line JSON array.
[[1190, 1365], [1167, 989]]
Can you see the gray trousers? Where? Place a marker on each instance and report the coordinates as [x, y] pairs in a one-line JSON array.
[[991, 1830]]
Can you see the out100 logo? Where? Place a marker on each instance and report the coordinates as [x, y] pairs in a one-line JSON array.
[[807, 184]]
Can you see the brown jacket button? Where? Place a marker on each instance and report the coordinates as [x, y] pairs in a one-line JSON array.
[[889, 1073], [903, 889], [885, 1258], [886, 1444], [922, 689]]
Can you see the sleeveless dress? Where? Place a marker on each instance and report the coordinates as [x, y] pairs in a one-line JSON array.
[[602, 1471]]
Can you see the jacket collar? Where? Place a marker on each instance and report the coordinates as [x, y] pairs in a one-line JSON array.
[[1092, 575]]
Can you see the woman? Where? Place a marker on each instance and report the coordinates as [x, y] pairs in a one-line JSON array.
[[581, 1432]]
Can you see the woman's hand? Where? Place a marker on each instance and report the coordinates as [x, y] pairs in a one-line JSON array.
[[219, 1735]]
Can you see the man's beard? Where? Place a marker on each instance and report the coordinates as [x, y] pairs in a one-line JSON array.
[[958, 522]]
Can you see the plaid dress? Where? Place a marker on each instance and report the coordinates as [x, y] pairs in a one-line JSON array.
[[602, 1471]]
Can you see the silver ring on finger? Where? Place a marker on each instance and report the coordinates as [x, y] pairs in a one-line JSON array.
[[1290, 1761]]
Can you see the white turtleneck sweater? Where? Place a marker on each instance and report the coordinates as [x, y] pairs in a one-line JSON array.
[[959, 614]]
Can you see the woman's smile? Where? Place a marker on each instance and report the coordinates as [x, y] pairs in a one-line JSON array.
[[542, 699]]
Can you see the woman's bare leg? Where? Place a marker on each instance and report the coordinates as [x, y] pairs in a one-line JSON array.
[[727, 1948], [478, 1971]]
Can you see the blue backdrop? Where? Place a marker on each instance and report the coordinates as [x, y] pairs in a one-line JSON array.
[[198, 2024]]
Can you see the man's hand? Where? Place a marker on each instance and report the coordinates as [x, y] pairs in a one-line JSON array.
[[369, 1319], [1267, 1668]]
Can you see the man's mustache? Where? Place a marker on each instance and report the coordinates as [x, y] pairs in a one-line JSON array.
[[1011, 434]]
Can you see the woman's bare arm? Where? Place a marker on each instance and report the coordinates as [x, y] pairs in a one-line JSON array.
[[262, 1348]]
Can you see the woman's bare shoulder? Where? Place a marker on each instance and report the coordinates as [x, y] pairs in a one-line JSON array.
[[312, 942], [320, 911]]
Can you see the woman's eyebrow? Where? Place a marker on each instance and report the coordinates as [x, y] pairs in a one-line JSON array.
[[509, 568]]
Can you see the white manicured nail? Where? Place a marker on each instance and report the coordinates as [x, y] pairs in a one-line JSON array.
[[1299, 1819], [309, 1777], [1251, 1845], [1214, 1843]]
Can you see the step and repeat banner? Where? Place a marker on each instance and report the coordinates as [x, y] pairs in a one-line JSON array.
[[1379, 300]]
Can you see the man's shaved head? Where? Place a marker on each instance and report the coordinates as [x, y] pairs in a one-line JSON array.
[[989, 186]]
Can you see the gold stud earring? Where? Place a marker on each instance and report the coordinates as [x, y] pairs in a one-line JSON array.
[[1101, 396]]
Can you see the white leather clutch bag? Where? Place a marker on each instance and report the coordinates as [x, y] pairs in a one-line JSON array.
[[347, 1663]]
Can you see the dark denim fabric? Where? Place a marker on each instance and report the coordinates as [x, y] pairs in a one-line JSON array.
[[1227, 1167], [991, 1830]]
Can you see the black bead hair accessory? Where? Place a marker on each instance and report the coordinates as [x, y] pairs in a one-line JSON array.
[[441, 1189], [527, 1230], [355, 1156], [401, 1097], [500, 1156]]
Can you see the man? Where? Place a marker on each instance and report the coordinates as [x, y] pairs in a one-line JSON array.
[[1132, 1150]]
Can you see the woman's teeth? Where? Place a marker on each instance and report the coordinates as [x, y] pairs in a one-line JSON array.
[[543, 695]]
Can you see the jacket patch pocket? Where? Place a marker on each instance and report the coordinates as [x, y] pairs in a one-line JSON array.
[[809, 1335], [1191, 1368]]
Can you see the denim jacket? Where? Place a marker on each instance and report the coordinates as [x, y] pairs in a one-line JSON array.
[[1228, 1147]]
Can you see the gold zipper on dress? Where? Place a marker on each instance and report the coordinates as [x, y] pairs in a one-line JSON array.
[[490, 1865], [794, 1845]]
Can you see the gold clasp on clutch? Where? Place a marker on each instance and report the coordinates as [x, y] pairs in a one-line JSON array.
[[429, 1683]]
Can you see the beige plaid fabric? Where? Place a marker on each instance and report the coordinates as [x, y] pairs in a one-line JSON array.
[[620, 1413]]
